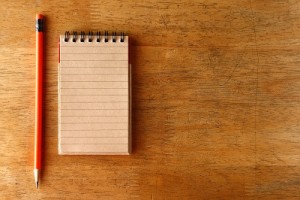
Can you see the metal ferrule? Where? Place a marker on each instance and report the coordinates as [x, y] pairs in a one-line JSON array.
[[39, 25]]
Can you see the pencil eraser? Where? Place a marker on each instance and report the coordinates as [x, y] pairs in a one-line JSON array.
[[39, 16]]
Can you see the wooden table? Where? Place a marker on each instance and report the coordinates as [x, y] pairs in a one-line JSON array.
[[216, 101]]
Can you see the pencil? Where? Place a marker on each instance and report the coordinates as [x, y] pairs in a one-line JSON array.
[[38, 99]]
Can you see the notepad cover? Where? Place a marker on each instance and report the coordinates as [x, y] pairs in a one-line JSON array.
[[94, 101]]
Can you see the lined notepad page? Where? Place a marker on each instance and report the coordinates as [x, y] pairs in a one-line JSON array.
[[94, 97]]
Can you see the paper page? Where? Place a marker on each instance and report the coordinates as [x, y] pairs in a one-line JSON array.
[[94, 101]]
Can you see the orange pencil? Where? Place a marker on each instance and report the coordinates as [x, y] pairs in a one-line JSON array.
[[38, 98]]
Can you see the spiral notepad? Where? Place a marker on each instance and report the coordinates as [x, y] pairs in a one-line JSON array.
[[94, 94]]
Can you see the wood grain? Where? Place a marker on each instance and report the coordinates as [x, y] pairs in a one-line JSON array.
[[216, 89]]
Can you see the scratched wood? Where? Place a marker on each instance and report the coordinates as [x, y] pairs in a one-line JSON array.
[[216, 101]]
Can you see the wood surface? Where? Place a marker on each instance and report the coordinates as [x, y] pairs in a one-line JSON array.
[[216, 88]]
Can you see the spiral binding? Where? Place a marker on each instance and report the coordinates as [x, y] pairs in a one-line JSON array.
[[91, 38]]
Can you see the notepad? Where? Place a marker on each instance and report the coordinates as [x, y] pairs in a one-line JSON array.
[[94, 101]]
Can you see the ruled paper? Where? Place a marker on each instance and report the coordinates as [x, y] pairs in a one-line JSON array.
[[94, 97]]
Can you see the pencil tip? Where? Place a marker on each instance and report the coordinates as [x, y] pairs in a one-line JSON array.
[[36, 177]]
